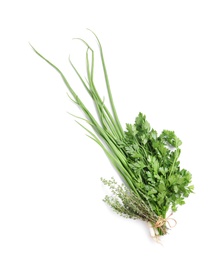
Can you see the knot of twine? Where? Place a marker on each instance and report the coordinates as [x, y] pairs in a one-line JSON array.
[[162, 221], [161, 224]]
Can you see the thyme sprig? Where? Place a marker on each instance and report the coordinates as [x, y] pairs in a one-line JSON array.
[[126, 203]]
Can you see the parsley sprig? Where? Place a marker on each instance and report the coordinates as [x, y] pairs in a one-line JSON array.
[[147, 162]]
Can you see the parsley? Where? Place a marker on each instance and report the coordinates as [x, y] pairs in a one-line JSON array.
[[147, 162], [154, 161]]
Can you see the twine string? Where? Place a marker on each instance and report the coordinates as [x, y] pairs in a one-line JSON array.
[[162, 221], [161, 224]]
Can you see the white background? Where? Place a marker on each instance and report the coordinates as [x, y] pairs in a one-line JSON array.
[[164, 59]]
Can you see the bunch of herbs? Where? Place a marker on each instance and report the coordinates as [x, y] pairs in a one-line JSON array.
[[147, 162]]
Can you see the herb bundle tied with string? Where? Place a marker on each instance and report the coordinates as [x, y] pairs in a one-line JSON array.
[[153, 182]]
